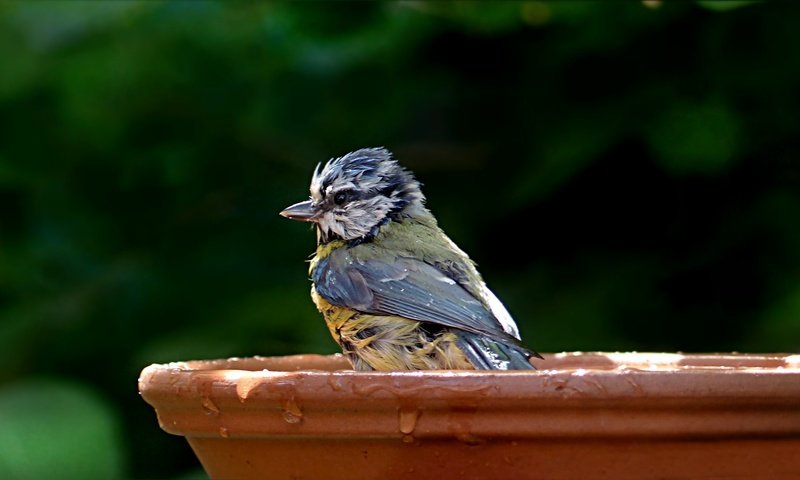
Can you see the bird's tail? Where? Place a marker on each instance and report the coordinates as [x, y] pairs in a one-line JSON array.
[[488, 354]]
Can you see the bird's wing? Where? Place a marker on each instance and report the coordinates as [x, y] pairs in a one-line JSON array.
[[405, 287]]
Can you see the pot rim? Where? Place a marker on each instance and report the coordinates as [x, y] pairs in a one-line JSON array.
[[588, 395]]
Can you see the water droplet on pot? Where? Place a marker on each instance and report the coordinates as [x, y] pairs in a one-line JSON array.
[[408, 420], [245, 386], [291, 412], [336, 382], [210, 407], [290, 417], [223, 432]]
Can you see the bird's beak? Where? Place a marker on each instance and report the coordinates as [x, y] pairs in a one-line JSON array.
[[302, 211]]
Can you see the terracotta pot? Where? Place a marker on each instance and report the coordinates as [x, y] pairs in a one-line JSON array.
[[580, 416]]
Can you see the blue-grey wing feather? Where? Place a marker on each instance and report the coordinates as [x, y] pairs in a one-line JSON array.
[[404, 287], [343, 287]]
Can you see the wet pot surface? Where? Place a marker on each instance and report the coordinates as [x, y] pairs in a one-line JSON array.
[[581, 415]]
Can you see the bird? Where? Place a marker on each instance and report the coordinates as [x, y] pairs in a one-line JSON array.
[[395, 291]]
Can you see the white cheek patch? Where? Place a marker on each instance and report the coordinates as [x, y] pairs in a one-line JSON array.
[[328, 223]]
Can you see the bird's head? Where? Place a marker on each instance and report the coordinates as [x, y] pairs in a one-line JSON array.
[[353, 195]]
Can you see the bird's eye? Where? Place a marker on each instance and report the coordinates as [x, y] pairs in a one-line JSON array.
[[341, 197]]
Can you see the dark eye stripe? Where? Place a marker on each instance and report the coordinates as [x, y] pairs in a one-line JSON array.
[[343, 196]]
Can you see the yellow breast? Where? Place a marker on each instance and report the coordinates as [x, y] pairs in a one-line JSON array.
[[323, 251], [335, 317]]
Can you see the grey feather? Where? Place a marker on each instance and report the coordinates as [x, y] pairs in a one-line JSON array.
[[488, 354], [404, 287]]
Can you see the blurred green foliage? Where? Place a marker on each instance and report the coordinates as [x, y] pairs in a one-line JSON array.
[[146, 148], [54, 429]]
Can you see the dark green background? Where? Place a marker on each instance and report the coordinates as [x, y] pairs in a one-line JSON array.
[[650, 152]]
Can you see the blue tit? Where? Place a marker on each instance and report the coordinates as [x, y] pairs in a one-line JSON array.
[[396, 293]]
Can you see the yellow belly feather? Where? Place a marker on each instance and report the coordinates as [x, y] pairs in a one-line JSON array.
[[378, 342]]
